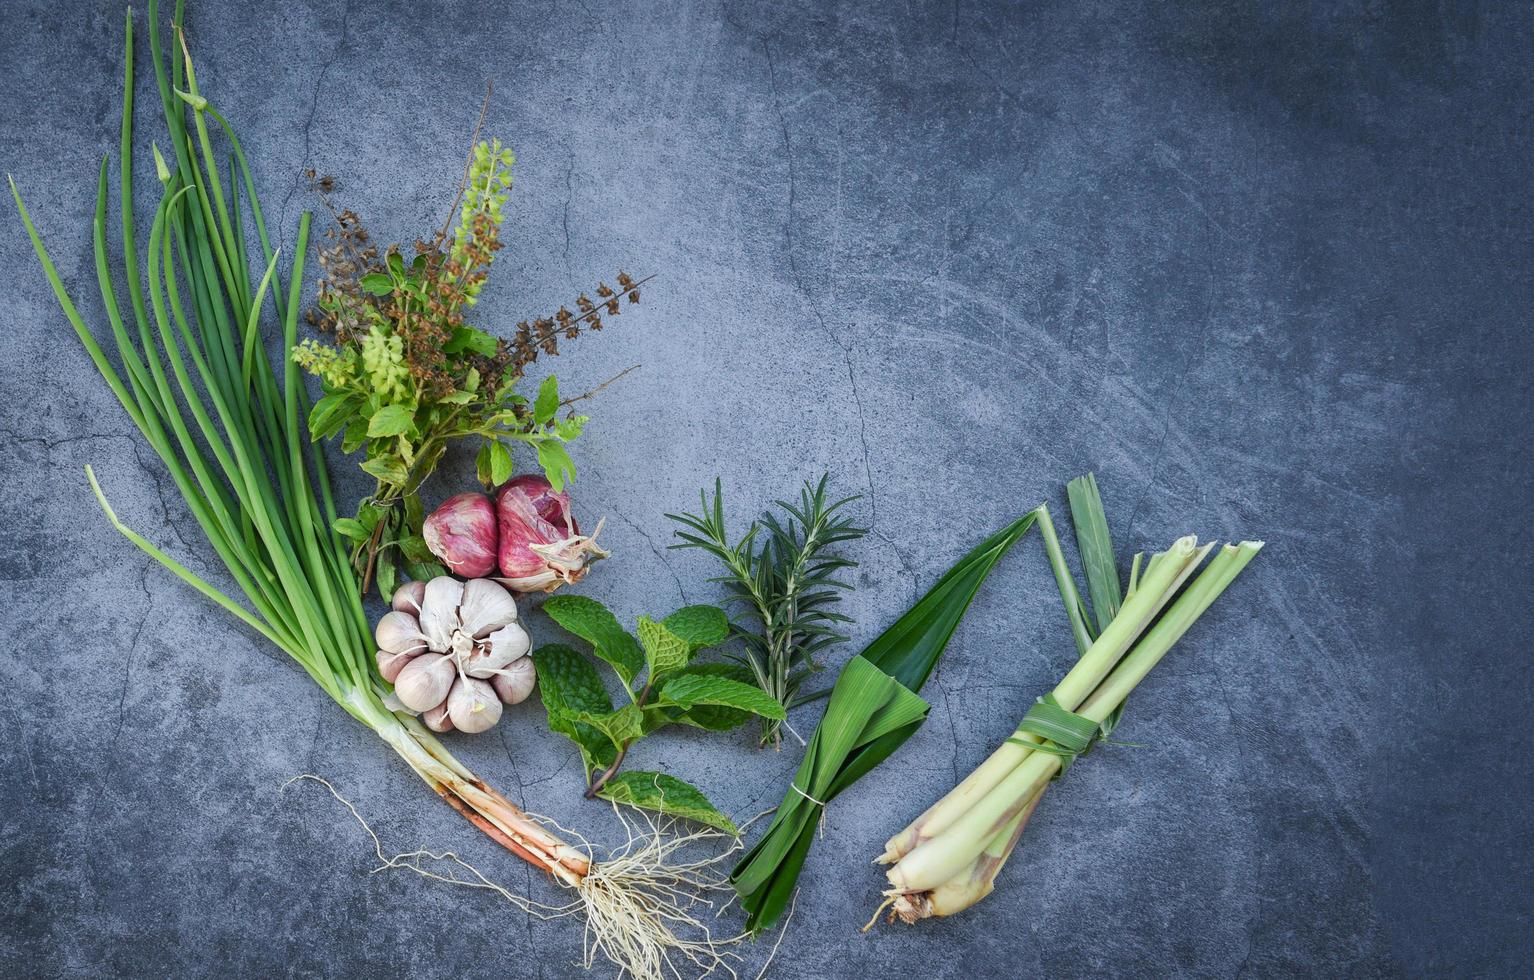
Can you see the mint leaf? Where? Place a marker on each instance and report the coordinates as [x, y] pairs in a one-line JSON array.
[[621, 727], [570, 688], [391, 420], [712, 717], [665, 794], [590, 620], [547, 402], [664, 651], [686, 690], [699, 626]]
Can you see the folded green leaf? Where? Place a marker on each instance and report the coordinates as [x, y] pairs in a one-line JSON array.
[[557, 465], [620, 727], [500, 463], [687, 690], [389, 469], [713, 717], [351, 528], [569, 687], [391, 420], [665, 794], [592, 622], [330, 414]]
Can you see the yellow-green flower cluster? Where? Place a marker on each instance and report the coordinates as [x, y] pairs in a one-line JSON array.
[[336, 367], [484, 196], [383, 358]]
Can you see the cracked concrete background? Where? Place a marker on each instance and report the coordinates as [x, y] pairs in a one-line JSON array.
[[1265, 271]]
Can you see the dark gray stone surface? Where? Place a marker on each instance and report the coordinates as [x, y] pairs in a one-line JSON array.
[[1265, 272]]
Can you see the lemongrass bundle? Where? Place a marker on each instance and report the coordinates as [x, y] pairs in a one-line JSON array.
[[948, 858], [194, 377]]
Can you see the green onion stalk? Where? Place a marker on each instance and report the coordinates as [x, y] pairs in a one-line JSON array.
[[193, 375], [948, 858]]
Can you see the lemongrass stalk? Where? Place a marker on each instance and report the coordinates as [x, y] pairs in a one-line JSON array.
[[976, 881], [940, 858], [1088, 672]]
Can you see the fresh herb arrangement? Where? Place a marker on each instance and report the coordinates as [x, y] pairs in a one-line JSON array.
[[874, 708], [195, 380], [665, 686], [783, 577], [948, 858], [405, 374]]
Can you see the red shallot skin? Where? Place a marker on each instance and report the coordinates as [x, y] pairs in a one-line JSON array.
[[462, 532], [541, 546], [552, 507]]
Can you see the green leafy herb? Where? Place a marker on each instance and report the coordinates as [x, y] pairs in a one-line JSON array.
[[673, 691], [782, 574], [405, 374]]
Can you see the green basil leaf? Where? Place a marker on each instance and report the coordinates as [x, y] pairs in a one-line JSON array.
[[330, 413], [500, 463], [389, 469], [350, 527], [391, 420], [547, 402], [557, 465], [377, 283]]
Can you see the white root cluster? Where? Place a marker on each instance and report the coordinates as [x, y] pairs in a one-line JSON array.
[[643, 906]]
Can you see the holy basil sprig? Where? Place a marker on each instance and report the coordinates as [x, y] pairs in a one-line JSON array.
[[665, 686], [405, 373]]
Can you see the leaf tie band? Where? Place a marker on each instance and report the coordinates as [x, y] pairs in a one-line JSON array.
[[1066, 733]]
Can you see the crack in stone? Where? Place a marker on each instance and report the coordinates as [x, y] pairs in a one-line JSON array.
[[564, 219], [659, 553], [809, 298], [138, 632], [314, 104]]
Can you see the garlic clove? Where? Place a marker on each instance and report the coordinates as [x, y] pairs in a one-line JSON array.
[[390, 664], [407, 598], [439, 611], [437, 719], [515, 682], [398, 632], [472, 705], [485, 607], [424, 682], [500, 648]]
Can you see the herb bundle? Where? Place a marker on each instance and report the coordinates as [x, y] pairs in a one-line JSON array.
[[948, 858], [781, 572], [675, 690], [874, 708], [405, 374], [192, 373]]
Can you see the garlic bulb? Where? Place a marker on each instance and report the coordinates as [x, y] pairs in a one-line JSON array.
[[472, 705], [515, 683], [425, 681], [455, 653], [439, 611], [398, 632], [485, 607]]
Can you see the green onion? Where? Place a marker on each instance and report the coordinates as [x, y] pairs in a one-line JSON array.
[[193, 376], [873, 709]]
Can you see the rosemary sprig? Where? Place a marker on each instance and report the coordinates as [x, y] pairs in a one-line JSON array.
[[784, 576]]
